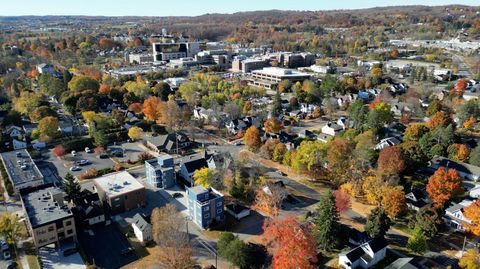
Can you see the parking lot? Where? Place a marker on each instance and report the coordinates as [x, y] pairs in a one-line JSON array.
[[61, 167], [130, 151], [104, 246], [53, 259]]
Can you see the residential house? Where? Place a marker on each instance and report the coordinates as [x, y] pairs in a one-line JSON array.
[[190, 164], [15, 137], [239, 125], [364, 256], [205, 206], [343, 100], [397, 88], [209, 115], [469, 173], [142, 229], [88, 207], [160, 172], [47, 69], [238, 211], [49, 220], [332, 129], [169, 143], [387, 142], [416, 199], [324, 137], [120, 192], [399, 109], [307, 109], [454, 216]]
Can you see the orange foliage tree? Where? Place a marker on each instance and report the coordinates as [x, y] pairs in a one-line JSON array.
[[342, 200], [104, 88], [472, 212], [252, 138], [152, 108], [291, 244], [468, 124], [391, 161], [272, 125], [393, 200], [439, 119], [443, 185], [136, 108]]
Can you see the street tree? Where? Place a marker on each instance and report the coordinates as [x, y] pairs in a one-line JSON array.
[[378, 223], [327, 223]]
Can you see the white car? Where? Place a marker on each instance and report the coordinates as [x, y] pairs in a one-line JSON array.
[[75, 168], [74, 153], [84, 162], [88, 150]]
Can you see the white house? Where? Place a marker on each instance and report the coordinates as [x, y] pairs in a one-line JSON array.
[[387, 142], [238, 211], [454, 217], [364, 256], [332, 128], [142, 229]]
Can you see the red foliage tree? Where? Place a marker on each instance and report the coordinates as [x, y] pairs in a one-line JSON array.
[[443, 186], [391, 161], [136, 108], [59, 151], [291, 243], [342, 200]]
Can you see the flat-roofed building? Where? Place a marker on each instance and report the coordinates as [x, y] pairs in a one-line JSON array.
[[248, 65], [48, 217], [120, 192], [21, 169], [269, 77], [205, 206]]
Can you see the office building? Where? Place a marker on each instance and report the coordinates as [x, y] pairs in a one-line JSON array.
[[269, 77], [21, 169], [170, 51]]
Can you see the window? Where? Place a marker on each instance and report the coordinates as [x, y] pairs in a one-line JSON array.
[[206, 216], [219, 203], [206, 208], [70, 231], [50, 229], [126, 197], [219, 211], [68, 223]]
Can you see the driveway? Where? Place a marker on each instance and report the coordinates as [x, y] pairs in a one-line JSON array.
[[53, 259]]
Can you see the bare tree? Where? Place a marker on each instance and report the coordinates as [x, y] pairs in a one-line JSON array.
[[270, 198], [175, 251]]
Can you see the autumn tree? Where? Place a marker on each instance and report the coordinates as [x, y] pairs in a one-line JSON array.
[[327, 227], [391, 161], [372, 187], [174, 250], [342, 200], [443, 185], [414, 132], [310, 156], [207, 177], [11, 228], [470, 259], [252, 138], [439, 119], [418, 241], [135, 133], [41, 112], [153, 108], [27, 102], [48, 128], [291, 244], [393, 200], [83, 83], [378, 223], [472, 212], [428, 220], [59, 151], [272, 125], [269, 199]]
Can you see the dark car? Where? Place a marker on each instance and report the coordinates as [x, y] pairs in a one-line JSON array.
[[103, 156], [69, 252], [127, 251], [177, 195], [117, 153]]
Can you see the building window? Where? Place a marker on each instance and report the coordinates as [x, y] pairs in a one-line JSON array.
[[50, 229], [206, 216], [219, 203], [219, 211], [206, 208], [70, 231], [68, 223]]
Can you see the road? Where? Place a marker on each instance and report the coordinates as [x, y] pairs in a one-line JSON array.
[[463, 69]]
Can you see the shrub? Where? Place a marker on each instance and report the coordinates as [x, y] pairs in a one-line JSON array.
[[144, 156], [90, 173], [59, 151], [78, 144]]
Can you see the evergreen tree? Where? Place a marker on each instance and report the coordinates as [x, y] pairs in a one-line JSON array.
[[233, 250], [418, 241], [378, 223], [72, 188], [326, 221], [277, 104]]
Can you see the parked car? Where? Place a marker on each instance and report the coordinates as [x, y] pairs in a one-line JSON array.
[[74, 153], [103, 155], [7, 255], [75, 168], [177, 195], [69, 252], [88, 150], [84, 162], [117, 153]]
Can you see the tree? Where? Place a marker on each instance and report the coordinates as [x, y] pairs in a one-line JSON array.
[[80, 84], [139, 88], [188, 91], [153, 108], [135, 133], [207, 177], [337, 156], [470, 259], [71, 186], [470, 109], [41, 112], [472, 212], [162, 90], [357, 112], [391, 161], [11, 228], [48, 128], [474, 158], [59, 151], [458, 152], [427, 219], [277, 104], [439, 119], [51, 86], [378, 223], [310, 156], [379, 115], [329, 85], [291, 244], [100, 139], [172, 116], [327, 223], [279, 152], [393, 200], [252, 138], [342, 200], [27, 102], [364, 148], [270, 198], [233, 250], [174, 250], [443, 185], [417, 242], [414, 132], [272, 125]]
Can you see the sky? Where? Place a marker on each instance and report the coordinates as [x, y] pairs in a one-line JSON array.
[[192, 7]]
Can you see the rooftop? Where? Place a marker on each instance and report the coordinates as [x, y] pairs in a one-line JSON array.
[[41, 206], [20, 167], [277, 71], [118, 183]]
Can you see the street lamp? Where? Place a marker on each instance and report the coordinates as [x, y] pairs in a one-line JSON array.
[[187, 219]]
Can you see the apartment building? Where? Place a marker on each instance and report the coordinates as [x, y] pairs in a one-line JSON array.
[[160, 172], [205, 206]]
